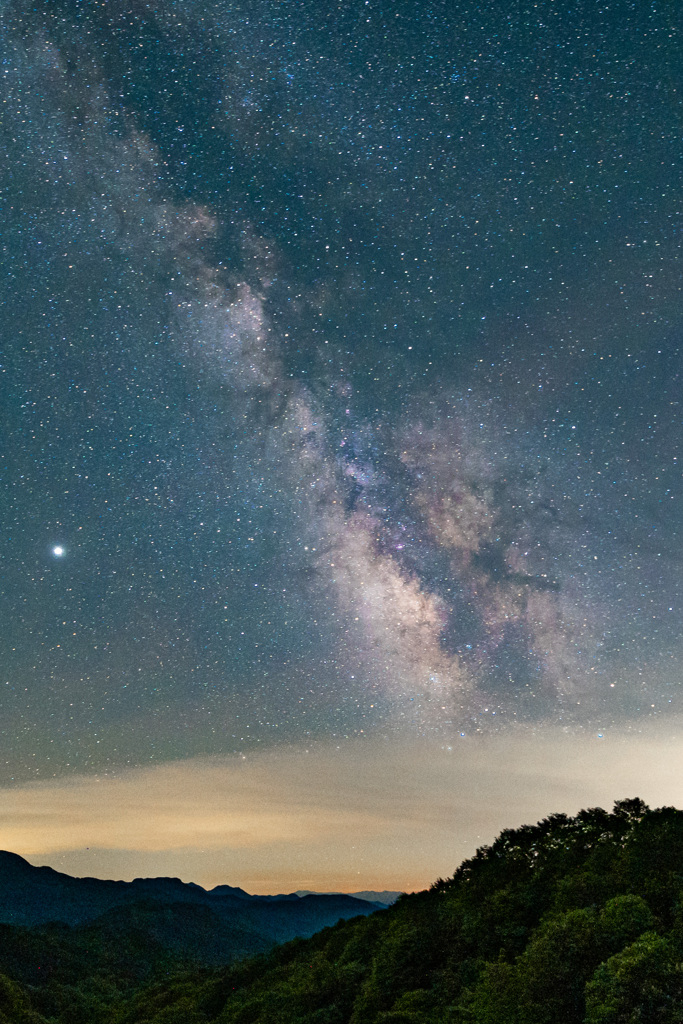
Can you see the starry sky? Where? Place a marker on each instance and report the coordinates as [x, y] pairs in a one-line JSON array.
[[340, 377]]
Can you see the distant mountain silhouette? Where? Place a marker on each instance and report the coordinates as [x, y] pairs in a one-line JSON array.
[[386, 897], [174, 917]]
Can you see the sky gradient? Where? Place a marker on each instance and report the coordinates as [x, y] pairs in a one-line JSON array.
[[341, 392]]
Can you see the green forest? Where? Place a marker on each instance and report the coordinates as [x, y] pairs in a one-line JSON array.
[[575, 920]]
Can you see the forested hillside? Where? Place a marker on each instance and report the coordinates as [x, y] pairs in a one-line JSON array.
[[571, 920]]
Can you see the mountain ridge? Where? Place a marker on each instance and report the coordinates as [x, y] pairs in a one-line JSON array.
[[385, 896], [151, 922], [32, 895]]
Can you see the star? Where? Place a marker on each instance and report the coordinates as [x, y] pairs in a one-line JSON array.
[[58, 551]]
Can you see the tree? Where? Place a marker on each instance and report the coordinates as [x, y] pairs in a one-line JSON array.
[[643, 984]]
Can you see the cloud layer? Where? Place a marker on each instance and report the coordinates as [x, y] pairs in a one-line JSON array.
[[395, 814]]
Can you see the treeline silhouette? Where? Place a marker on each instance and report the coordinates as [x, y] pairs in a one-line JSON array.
[[576, 920]]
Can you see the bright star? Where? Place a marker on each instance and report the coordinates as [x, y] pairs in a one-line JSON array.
[[58, 551]]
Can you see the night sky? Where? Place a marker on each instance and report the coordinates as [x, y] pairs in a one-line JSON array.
[[341, 405]]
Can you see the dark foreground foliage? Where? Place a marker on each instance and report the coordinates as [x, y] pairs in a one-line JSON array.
[[572, 921]]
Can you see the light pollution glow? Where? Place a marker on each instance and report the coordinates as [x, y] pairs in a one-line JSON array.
[[373, 814]]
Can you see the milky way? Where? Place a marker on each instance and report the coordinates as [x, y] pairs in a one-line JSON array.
[[340, 374]]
